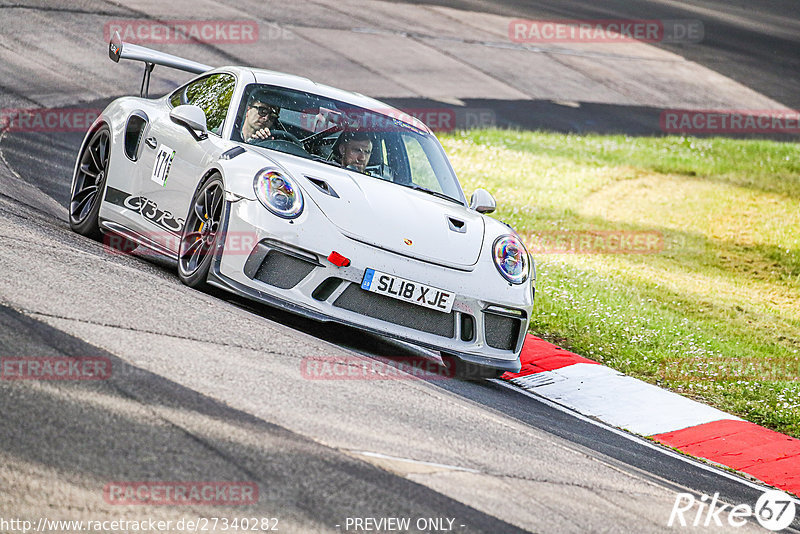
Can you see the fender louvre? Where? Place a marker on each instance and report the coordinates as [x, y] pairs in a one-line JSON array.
[[232, 153]]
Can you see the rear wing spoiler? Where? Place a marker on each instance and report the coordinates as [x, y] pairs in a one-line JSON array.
[[117, 49]]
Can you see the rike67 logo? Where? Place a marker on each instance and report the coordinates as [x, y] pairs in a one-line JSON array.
[[774, 510]]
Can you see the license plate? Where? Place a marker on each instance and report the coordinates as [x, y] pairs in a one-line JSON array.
[[413, 292]]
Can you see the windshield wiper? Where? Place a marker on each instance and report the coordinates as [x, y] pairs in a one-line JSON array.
[[437, 194]]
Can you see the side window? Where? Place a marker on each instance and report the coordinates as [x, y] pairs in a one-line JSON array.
[[212, 94], [421, 171], [176, 98]]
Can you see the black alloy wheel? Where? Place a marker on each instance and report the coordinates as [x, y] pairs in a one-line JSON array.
[[89, 184], [200, 233]]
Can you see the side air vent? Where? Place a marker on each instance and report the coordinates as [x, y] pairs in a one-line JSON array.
[[323, 186], [457, 225], [326, 288], [467, 327], [134, 131]]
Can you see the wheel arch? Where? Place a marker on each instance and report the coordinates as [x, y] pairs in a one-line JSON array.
[[98, 123], [208, 173], [239, 172]]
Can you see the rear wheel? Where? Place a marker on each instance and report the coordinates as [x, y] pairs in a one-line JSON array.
[[200, 232], [89, 184]]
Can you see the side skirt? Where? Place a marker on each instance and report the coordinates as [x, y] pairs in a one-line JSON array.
[[127, 233]]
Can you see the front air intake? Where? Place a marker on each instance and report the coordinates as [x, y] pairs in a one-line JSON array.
[[501, 331], [282, 270]]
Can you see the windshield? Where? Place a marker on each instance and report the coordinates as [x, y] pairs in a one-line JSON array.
[[379, 145]]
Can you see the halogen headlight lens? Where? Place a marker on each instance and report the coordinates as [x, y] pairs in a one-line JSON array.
[[511, 259], [278, 193]]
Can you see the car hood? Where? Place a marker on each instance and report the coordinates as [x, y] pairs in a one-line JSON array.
[[389, 216]]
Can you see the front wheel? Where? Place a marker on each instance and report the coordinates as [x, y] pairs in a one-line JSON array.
[[200, 232], [89, 184]]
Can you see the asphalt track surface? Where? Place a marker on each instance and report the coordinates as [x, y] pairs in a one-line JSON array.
[[755, 43], [365, 486], [208, 388]]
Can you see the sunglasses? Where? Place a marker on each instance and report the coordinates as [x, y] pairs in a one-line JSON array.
[[264, 111]]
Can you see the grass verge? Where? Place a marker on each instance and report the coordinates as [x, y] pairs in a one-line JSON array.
[[710, 310]]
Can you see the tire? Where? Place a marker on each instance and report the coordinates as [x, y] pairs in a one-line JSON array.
[[462, 370], [200, 232], [89, 183]]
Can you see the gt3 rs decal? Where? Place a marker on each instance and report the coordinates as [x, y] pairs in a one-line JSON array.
[[146, 208], [162, 165]]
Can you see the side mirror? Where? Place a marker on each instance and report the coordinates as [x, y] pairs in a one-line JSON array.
[[192, 118], [482, 201]]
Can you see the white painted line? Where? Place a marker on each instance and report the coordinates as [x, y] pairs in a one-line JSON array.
[[619, 400], [631, 437]]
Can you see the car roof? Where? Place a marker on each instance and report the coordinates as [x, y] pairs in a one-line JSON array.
[[299, 83]]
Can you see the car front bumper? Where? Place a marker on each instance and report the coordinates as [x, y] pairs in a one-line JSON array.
[[284, 263]]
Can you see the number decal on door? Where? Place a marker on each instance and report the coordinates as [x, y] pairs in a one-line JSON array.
[[163, 164]]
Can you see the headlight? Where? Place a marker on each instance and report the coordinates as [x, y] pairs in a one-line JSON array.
[[511, 259], [278, 193]]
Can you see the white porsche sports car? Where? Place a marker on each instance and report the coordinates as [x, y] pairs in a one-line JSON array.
[[320, 201]]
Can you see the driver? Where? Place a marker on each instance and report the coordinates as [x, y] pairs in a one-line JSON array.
[[354, 150], [259, 117]]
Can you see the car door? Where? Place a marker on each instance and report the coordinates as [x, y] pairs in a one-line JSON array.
[[177, 158]]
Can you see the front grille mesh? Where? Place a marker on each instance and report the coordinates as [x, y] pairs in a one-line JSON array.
[[501, 332], [282, 271], [396, 311]]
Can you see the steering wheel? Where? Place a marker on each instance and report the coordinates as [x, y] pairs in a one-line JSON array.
[[281, 145], [283, 135], [381, 170], [277, 135], [307, 141]]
